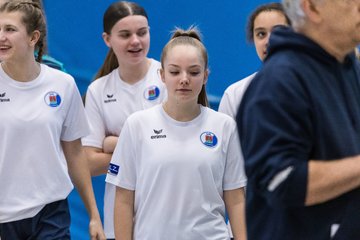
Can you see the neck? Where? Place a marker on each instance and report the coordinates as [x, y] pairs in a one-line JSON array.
[[182, 112], [22, 71], [134, 73]]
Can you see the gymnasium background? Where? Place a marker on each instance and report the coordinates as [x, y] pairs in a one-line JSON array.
[[74, 38]]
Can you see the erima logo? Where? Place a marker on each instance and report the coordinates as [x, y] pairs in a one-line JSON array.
[[109, 96], [3, 99], [157, 132]]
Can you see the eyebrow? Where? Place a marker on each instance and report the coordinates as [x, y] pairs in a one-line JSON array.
[[259, 29], [10, 25], [279, 25], [192, 66], [142, 28]]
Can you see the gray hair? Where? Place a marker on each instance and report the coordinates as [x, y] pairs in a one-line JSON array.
[[294, 12]]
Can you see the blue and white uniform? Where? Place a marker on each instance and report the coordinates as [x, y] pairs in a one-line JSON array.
[[179, 171], [109, 101], [34, 117]]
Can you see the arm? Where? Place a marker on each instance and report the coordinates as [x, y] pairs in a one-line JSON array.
[[109, 144], [278, 137], [123, 214], [98, 160], [98, 157], [235, 206], [330, 179], [80, 176]]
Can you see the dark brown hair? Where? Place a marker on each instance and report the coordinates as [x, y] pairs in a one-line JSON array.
[[115, 12], [268, 7]]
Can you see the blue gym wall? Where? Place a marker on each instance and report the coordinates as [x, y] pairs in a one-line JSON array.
[[74, 38]]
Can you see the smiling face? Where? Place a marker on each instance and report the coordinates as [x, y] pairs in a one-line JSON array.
[[263, 25], [130, 39], [15, 42], [184, 74]]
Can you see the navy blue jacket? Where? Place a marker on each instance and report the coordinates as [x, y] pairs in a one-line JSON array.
[[302, 105]]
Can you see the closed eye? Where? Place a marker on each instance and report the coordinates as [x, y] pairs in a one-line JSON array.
[[9, 29], [124, 35], [142, 32], [194, 73]]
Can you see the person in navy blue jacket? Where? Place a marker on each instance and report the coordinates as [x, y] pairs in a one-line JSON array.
[[299, 125]]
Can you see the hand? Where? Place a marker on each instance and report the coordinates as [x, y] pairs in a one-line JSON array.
[[96, 230]]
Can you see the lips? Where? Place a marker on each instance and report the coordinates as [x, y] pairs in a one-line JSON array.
[[4, 47], [135, 50], [183, 90]]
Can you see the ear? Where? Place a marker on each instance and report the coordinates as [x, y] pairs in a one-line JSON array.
[[106, 38], [34, 38], [206, 75], [162, 75], [311, 10]]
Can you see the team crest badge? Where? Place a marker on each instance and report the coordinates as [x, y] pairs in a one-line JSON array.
[[52, 99], [151, 93], [209, 139]]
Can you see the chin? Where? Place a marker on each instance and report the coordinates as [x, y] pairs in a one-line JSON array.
[[3, 58], [137, 60]]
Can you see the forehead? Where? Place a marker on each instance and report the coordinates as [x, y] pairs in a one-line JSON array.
[[11, 18], [185, 53], [269, 19], [342, 3], [132, 22]]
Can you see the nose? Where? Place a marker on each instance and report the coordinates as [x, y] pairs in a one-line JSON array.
[[2, 35], [134, 39], [267, 40], [184, 79]]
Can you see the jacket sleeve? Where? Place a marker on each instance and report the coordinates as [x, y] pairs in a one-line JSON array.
[[274, 123]]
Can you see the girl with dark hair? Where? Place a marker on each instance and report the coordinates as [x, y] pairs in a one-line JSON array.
[[127, 82], [177, 166], [260, 24]]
